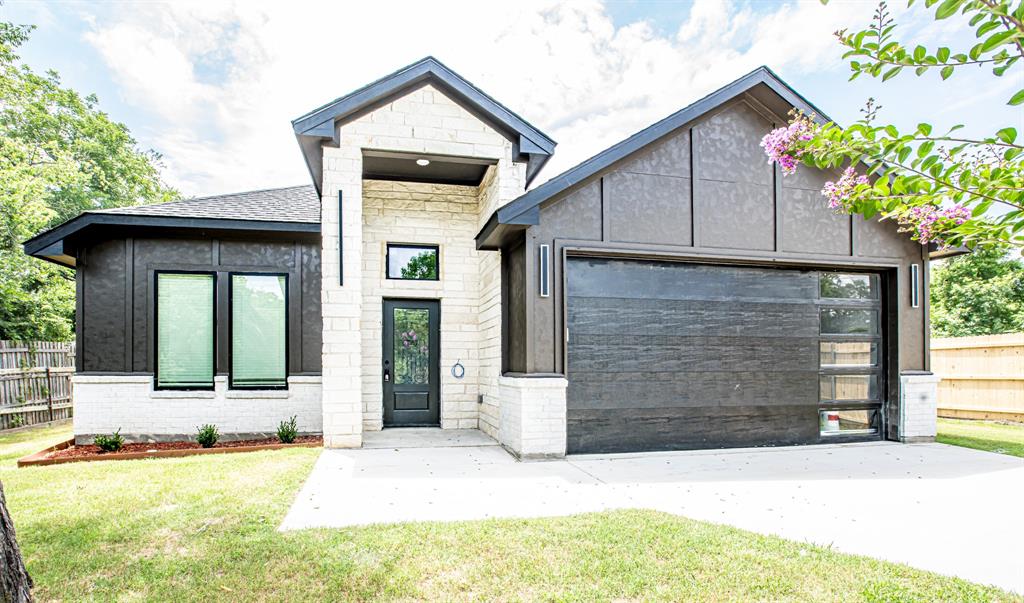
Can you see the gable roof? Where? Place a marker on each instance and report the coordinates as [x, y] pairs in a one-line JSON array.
[[319, 126], [291, 209], [524, 211]]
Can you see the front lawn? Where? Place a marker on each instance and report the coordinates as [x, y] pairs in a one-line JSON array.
[[1005, 438], [204, 528]]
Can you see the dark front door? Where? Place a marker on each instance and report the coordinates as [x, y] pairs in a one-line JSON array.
[[411, 370]]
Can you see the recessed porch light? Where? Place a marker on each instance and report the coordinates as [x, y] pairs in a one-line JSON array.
[[423, 162]]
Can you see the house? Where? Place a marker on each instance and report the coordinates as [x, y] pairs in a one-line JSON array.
[[672, 292]]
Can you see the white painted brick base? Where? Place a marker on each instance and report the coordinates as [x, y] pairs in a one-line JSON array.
[[533, 412], [919, 394], [106, 403]]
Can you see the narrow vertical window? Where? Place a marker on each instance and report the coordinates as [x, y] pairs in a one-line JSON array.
[[259, 331], [544, 268], [184, 331]]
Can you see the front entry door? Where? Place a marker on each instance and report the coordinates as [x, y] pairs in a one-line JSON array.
[[411, 370]]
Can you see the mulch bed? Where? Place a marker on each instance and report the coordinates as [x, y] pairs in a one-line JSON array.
[[68, 452]]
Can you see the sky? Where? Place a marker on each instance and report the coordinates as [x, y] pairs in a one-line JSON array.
[[213, 86]]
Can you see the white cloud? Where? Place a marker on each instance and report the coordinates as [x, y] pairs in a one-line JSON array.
[[223, 80]]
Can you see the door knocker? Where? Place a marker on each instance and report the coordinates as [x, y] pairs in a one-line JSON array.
[[458, 371]]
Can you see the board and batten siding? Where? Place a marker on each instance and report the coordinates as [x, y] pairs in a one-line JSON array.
[[707, 193], [115, 282]]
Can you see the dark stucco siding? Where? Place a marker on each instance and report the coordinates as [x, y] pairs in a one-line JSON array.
[[706, 192], [103, 300], [116, 289], [514, 296]]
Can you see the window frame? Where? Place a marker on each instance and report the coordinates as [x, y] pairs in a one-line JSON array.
[[231, 330], [876, 304], [156, 332], [437, 261]]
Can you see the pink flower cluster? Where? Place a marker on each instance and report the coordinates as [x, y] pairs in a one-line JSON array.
[[838, 193], [928, 221], [780, 144]]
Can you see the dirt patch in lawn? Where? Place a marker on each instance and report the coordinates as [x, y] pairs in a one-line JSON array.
[[68, 452]]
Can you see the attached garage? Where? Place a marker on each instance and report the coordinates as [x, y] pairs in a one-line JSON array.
[[669, 355], [679, 292]]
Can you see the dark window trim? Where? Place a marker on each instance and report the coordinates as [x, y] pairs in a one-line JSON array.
[[437, 261], [231, 326], [156, 332], [876, 305]]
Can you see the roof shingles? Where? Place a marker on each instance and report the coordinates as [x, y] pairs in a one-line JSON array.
[[292, 204]]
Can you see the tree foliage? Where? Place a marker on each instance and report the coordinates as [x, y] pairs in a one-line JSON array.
[[981, 293], [938, 185], [59, 155]]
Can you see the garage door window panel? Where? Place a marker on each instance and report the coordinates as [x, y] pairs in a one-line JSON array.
[[850, 371]]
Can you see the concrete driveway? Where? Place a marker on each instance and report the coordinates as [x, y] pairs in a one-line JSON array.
[[950, 510]]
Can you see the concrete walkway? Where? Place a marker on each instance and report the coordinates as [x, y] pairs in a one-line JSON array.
[[950, 510]]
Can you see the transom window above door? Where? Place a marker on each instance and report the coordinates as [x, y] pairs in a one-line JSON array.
[[412, 262]]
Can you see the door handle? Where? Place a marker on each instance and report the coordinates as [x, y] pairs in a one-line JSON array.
[[387, 372]]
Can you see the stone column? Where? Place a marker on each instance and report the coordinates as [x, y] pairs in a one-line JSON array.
[[919, 394], [533, 416], [342, 303]]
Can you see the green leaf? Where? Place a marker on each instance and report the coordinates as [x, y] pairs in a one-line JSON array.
[[919, 53], [946, 72], [920, 70], [995, 40], [942, 55], [947, 9], [1007, 135], [924, 129], [1017, 98], [987, 27], [891, 73]]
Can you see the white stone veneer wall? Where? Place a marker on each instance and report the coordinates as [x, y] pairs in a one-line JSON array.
[[106, 403], [434, 214], [533, 416], [919, 395], [423, 121]]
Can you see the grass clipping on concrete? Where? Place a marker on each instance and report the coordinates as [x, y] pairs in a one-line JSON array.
[[204, 528]]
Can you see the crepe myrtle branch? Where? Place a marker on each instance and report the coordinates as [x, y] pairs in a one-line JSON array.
[[949, 189]]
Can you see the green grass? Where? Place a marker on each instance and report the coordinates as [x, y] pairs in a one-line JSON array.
[[204, 528], [1005, 438]]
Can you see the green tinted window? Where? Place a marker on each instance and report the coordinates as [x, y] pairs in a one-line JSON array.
[[258, 330], [184, 330]]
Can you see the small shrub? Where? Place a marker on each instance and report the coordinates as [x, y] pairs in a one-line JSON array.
[[287, 431], [110, 443], [207, 435]]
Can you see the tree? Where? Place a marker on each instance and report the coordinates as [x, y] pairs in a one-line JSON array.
[[59, 155], [981, 293], [422, 266], [15, 583], [940, 187]]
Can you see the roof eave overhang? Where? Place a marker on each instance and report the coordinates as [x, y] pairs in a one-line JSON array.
[[940, 253], [320, 126], [52, 244]]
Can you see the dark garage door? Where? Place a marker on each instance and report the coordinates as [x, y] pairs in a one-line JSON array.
[[671, 356]]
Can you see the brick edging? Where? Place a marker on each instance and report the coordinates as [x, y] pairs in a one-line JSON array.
[[39, 458]]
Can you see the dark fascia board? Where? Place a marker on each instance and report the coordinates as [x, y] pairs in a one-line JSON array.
[[319, 125], [939, 253], [44, 245], [521, 208]]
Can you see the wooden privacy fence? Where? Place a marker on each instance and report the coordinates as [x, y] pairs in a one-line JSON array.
[[35, 382], [982, 377]]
